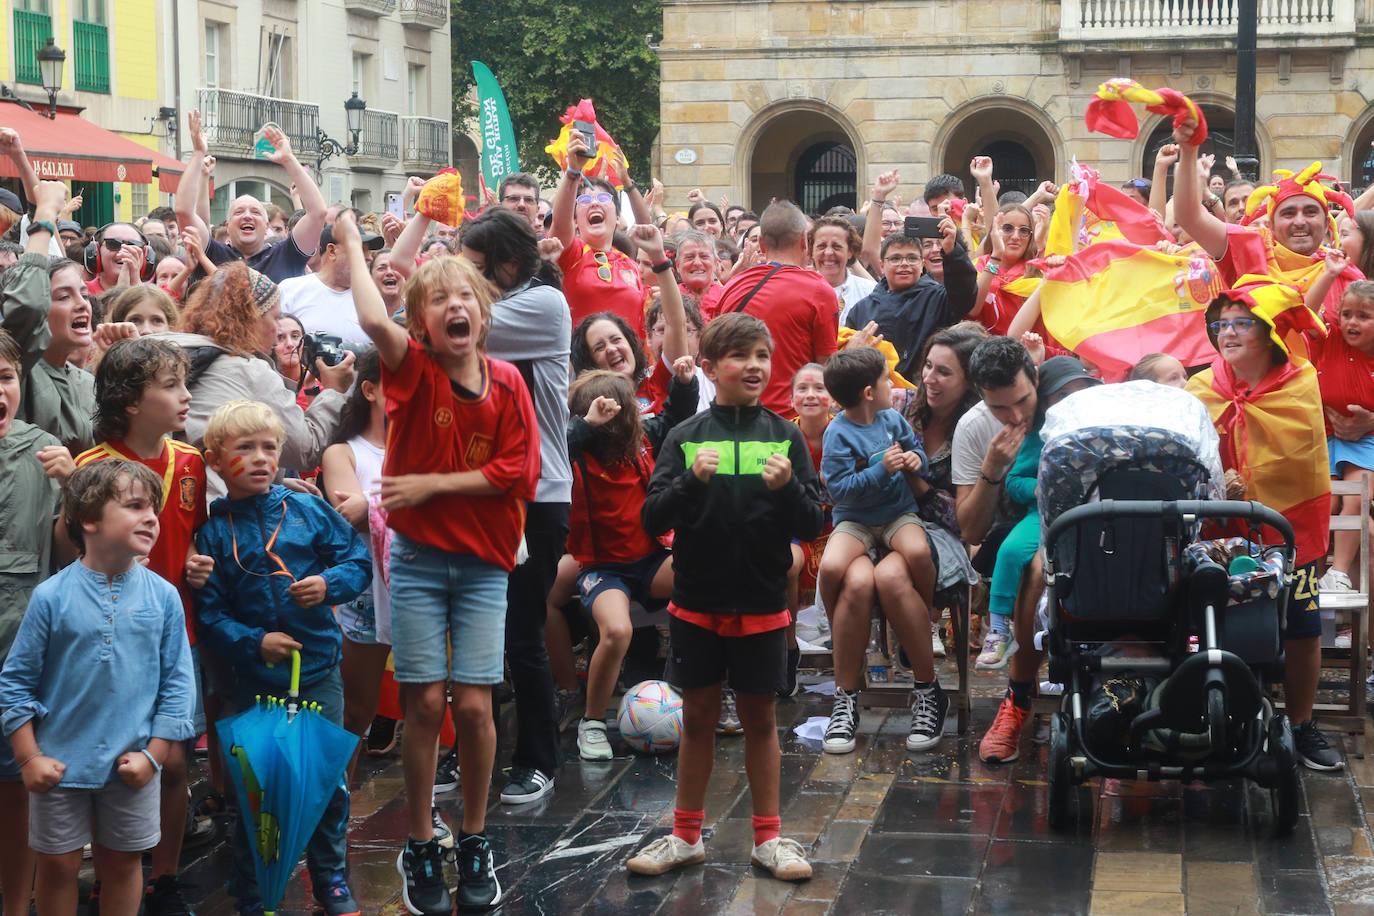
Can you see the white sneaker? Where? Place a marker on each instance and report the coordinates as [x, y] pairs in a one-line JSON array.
[[996, 650], [665, 854], [784, 858], [1335, 582], [937, 645], [592, 743]]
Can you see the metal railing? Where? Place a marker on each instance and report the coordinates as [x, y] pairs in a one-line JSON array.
[[371, 7], [31, 32], [431, 13], [91, 43], [427, 143], [380, 137], [1137, 19], [232, 118]]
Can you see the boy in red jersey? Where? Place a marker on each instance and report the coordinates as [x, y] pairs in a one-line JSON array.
[[141, 399], [462, 456]]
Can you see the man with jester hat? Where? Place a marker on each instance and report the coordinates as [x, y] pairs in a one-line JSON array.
[[1297, 211]]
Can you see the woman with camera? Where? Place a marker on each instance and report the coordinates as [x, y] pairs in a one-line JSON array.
[[227, 329]]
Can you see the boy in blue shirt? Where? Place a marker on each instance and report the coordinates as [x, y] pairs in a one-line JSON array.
[[871, 461], [95, 689], [281, 560]]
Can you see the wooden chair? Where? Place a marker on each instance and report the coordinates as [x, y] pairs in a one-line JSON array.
[[1350, 717]]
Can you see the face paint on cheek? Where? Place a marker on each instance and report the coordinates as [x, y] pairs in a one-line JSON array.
[[236, 467]]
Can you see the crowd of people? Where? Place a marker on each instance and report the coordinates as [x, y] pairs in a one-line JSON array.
[[386, 443]]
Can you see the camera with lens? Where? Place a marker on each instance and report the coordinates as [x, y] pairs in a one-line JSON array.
[[318, 345]]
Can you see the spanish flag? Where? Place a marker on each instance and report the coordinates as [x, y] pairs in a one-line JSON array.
[[1273, 436], [1110, 111], [1113, 302]]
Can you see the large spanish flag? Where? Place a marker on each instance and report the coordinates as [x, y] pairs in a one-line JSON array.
[[1113, 302], [1273, 436]]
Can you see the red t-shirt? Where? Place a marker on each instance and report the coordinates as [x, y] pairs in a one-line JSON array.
[[1346, 375], [595, 284], [606, 504], [182, 471], [434, 429], [709, 302], [799, 308]]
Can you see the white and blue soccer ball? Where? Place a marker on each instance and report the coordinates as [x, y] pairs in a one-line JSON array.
[[650, 717]]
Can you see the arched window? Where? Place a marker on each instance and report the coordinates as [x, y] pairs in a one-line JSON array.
[[827, 177], [1221, 142]]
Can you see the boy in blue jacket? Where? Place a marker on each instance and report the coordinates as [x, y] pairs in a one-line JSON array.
[[281, 560]]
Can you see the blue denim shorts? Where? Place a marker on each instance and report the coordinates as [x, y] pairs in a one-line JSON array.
[[448, 615], [635, 579]]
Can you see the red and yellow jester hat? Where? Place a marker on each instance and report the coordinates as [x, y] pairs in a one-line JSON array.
[[1279, 305], [1287, 184]]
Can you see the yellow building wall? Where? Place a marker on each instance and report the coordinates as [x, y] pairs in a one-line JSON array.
[[134, 37]]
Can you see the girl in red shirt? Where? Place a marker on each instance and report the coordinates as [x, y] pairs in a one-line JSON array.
[[612, 451], [811, 401]]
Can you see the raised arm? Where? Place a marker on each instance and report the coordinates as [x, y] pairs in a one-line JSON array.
[[638, 205], [307, 231], [1159, 192], [565, 195], [203, 198], [390, 338], [187, 200], [885, 184], [1205, 228], [13, 147], [412, 237], [647, 237], [981, 170]]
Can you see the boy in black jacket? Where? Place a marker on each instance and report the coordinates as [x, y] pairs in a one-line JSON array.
[[727, 483]]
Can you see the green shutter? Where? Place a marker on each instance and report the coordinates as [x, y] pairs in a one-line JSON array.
[[31, 32], [92, 56]]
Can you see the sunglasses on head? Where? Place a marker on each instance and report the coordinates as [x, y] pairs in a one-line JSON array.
[[1141, 183], [600, 197]]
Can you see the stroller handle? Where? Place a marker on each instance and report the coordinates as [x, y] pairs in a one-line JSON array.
[[1109, 509]]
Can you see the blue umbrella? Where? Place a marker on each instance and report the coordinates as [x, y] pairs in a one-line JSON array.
[[285, 760]]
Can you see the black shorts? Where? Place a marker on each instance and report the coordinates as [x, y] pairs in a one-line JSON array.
[[698, 657], [1304, 614]]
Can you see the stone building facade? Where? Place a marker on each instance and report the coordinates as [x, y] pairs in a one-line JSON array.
[[811, 99]]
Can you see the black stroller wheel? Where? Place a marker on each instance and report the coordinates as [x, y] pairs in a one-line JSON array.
[[1283, 794], [1061, 790]]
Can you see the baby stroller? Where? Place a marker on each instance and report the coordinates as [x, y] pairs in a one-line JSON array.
[[1164, 643]]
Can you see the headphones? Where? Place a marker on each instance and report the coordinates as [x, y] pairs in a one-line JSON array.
[[93, 258]]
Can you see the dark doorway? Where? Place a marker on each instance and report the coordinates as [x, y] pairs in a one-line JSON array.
[[1013, 166], [827, 176], [1221, 142]]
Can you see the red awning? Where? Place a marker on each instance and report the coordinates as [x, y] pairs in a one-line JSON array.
[[72, 148]]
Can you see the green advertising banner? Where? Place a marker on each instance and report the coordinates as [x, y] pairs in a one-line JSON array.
[[499, 158]]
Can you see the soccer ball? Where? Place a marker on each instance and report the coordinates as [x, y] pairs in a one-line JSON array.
[[650, 717]]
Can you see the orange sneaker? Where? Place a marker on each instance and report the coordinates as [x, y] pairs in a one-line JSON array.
[[999, 745]]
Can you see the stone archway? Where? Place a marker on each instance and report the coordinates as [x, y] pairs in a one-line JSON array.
[[1357, 154], [800, 150], [1021, 139]]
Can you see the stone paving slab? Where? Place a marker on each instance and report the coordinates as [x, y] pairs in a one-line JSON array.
[[889, 832]]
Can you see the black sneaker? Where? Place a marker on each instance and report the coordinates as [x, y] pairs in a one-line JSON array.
[[334, 897], [446, 777], [1313, 749], [793, 663], [928, 708], [422, 879], [163, 898], [844, 723], [526, 785], [93, 901], [382, 736], [478, 888]]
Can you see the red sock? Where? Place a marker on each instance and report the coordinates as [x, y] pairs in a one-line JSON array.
[[766, 828], [687, 825]]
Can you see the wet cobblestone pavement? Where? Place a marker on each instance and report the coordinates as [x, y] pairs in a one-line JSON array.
[[889, 832]]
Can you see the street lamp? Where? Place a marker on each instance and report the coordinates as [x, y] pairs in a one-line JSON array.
[[50, 61], [353, 111]]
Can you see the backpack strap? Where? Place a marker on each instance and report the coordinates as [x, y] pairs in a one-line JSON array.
[[750, 295]]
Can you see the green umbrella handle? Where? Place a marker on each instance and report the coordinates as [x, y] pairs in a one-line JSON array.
[[295, 674]]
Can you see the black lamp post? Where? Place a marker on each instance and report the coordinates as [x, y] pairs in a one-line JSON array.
[[353, 111], [50, 61], [1246, 149]]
